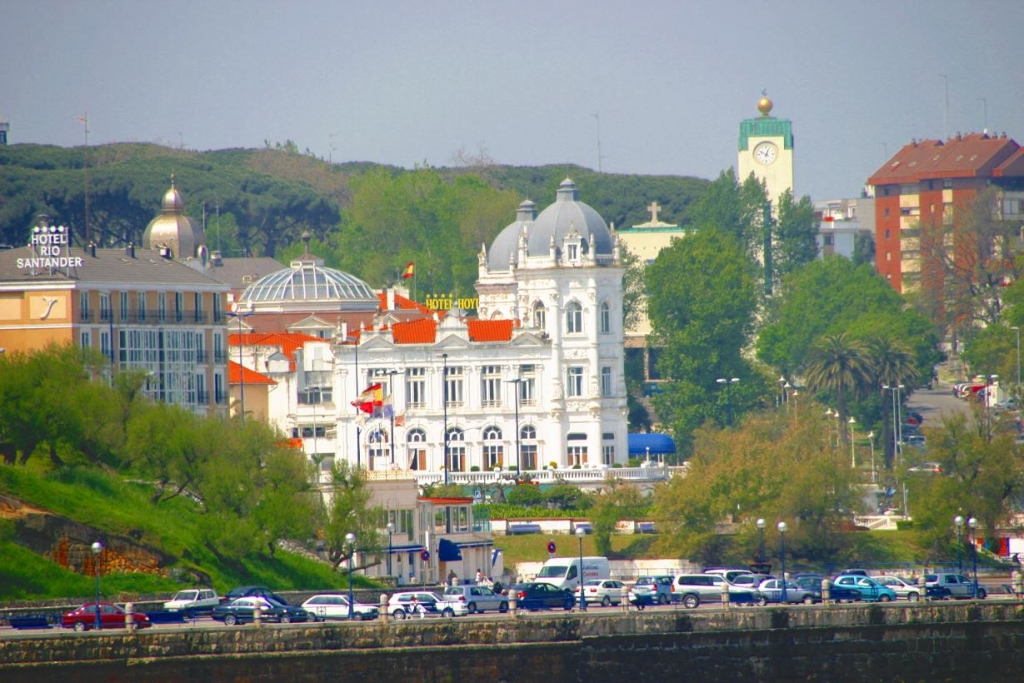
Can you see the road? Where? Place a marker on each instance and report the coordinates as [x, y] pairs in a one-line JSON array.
[[935, 403]]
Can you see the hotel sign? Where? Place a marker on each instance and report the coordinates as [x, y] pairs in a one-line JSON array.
[[52, 250]]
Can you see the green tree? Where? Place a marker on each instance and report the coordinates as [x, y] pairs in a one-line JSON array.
[[982, 477], [703, 296], [349, 512], [891, 363], [840, 364], [773, 467], [735, 208], [795, 235], [616, 502]]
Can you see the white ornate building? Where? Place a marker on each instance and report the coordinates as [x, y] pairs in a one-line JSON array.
[[535, 381]]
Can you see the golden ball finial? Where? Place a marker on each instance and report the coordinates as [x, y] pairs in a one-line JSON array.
[[764, 105]]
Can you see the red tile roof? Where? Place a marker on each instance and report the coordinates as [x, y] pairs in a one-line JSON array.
[[287, 342], [1012, 167], [238, 374], [969, 156], [423, 331], [490, 330]]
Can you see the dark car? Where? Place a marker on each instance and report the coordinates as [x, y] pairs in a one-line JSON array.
[[812, 583], [243, 611], [247, 591], [534, 595], [111, 616]]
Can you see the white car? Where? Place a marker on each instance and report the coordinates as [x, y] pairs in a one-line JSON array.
[[603, 591], [419, 604], [901, 587], [324, 607], [193, 601]]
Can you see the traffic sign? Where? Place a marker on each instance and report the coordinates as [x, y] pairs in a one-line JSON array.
[[425, 555], [551, 547]]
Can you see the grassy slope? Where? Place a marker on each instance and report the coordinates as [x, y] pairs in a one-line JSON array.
[[116, 507]]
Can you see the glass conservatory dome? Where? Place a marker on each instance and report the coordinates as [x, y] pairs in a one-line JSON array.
[[306, 281]]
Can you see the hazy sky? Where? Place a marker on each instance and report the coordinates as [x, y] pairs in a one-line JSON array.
[[412, 81]]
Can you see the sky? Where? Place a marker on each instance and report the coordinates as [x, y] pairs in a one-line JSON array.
[[649, 87]]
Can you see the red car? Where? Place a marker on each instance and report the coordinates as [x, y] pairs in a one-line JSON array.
[[111, 616]]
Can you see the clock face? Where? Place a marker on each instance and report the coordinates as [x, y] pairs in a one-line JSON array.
[[765, 153]]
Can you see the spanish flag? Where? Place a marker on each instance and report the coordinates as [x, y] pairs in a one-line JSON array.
[[371, 398], [409, 271]]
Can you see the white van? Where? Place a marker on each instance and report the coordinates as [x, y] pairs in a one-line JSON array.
[[563, 572]]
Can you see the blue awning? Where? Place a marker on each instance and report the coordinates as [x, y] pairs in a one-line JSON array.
[[447, 551], [659, 444]]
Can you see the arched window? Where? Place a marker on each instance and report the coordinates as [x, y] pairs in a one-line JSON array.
[[574, 318], [494, 450], [606, 318], [379, 449], [457, 449], [528, 432], [416, 447], [539, 316]]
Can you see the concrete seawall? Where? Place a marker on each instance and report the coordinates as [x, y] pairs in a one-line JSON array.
[[931, 642]]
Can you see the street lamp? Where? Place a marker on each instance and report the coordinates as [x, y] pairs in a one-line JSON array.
[[350, 543], [391, 530], [973, 524], [97, 548], [853, 449], [958, 522], [444, 404], [238, 314], [728, 403], [391, 390], [782, 556], [760, 531], [871, 442], [896, 435], [519, 465], [782, 390], [580, 533], [355, 347], [1017, 330]]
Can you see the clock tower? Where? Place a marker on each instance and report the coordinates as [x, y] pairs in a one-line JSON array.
[[766, 150]]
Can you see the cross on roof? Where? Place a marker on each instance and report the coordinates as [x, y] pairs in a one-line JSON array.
[[654, 208]]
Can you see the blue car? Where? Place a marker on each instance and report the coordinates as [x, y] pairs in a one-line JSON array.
[[865, 588], [539, 595]]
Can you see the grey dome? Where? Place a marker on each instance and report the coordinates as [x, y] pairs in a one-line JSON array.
[[569, 212], [554, 222], [307, 280], [507, 242]]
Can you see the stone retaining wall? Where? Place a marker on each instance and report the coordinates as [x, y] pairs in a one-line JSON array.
[[959, 641]]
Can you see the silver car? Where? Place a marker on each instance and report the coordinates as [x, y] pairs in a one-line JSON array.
[[477, 598], [771, 591], [604, 591]]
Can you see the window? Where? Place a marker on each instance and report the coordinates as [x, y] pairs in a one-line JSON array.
[[457, 449], [574, 382], [574, 252], [574, 318], [218, 310], [576, 455], [124, 306], [161, 306], [528, 447], [199, 316], [416, 387], [539, 316], [85, 339], [606, 381], [527, 385], [105, 345], [380, 448], [416, 441], [885, 212], [606, 318], [453, 386], [141, 302], [106, 310], [179, 306], [83, 301], [490, 386], [493, 449], [828, 240]]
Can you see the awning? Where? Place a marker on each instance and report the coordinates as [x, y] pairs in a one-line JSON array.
[[475, 544], [655, 444], [448, 551]]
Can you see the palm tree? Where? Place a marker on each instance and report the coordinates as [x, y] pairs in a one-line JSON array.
[[840, 363], [892, 365]]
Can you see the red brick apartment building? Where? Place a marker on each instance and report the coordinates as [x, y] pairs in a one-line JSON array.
[[921, 193]]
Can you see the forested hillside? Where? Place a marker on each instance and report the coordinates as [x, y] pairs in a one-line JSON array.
[[365, 218]]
